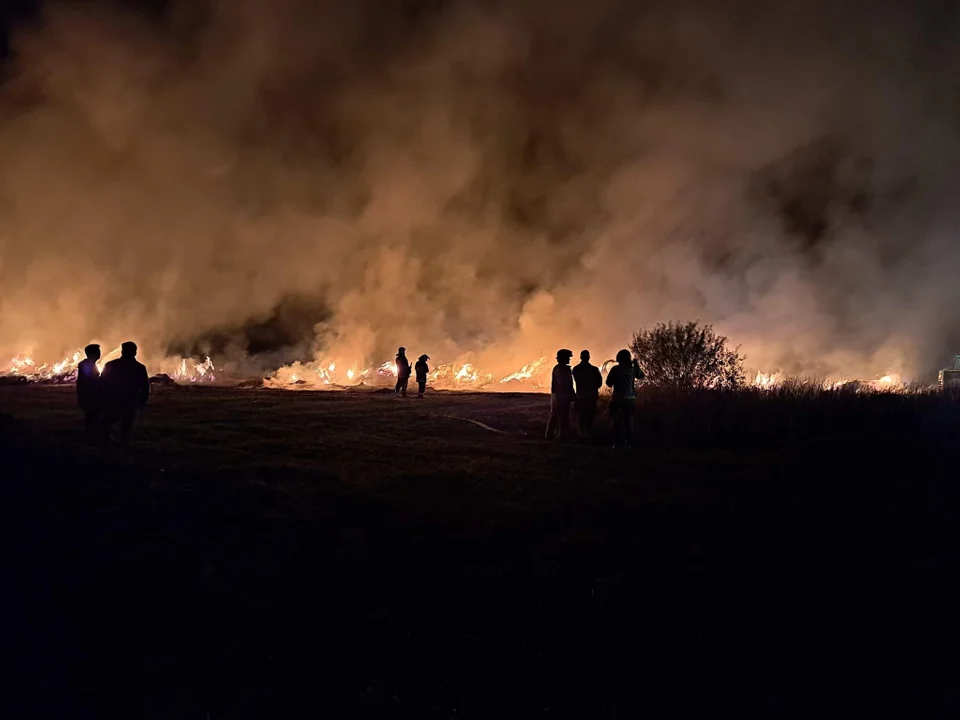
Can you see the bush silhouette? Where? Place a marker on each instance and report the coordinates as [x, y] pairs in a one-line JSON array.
[[687, 356]]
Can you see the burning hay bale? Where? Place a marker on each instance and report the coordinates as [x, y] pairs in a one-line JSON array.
[[459, 377], [335, 374], [850, 386], [163, 380], [64, 371], [194, 372], [514, 386]]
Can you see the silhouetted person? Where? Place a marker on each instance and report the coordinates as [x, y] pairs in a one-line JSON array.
[[88, 389], [403, 372], [623, 404], [125, 389], [422, 370], [561, 396], [588, 380]]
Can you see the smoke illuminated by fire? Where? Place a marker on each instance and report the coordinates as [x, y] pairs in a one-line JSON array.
[[294, 189]]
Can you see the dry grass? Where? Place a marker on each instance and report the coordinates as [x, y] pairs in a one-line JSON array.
[[797, 414]]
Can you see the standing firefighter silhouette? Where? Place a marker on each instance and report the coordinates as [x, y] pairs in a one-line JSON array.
[[88, 389], [403, 372], [126, 388], [622, 379], [588, 381], [422, 371], [561, 396]]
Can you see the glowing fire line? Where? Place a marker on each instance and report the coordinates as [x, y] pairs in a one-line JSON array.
[[891, 382], [455, 376], [65, 371]]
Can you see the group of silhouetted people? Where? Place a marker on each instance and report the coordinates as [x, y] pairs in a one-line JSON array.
[[576, 388], [403, 373], [114, 396], [580, 387]]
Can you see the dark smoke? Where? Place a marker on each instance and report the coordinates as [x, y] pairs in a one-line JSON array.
[[275, 181]]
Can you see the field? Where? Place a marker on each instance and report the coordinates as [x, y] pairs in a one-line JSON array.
[[277, 554]]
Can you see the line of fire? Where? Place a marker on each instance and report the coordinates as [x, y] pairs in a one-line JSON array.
[[454, 376]]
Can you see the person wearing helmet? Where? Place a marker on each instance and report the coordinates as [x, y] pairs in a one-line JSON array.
[[561, 395], [588, 381], [422, 370], [403, 372], [623, 403]]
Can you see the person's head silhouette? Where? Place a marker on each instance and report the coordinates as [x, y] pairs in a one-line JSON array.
[[92, 352], [128, 350]]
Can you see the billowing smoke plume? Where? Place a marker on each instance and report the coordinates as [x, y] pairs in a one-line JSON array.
[[283, 180]]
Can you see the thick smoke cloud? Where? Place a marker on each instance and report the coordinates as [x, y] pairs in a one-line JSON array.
[[294, 179]]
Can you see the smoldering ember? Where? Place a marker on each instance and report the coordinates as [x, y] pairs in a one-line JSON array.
[[479, 358]]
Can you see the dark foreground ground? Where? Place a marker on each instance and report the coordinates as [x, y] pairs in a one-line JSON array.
[[270, 554]]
